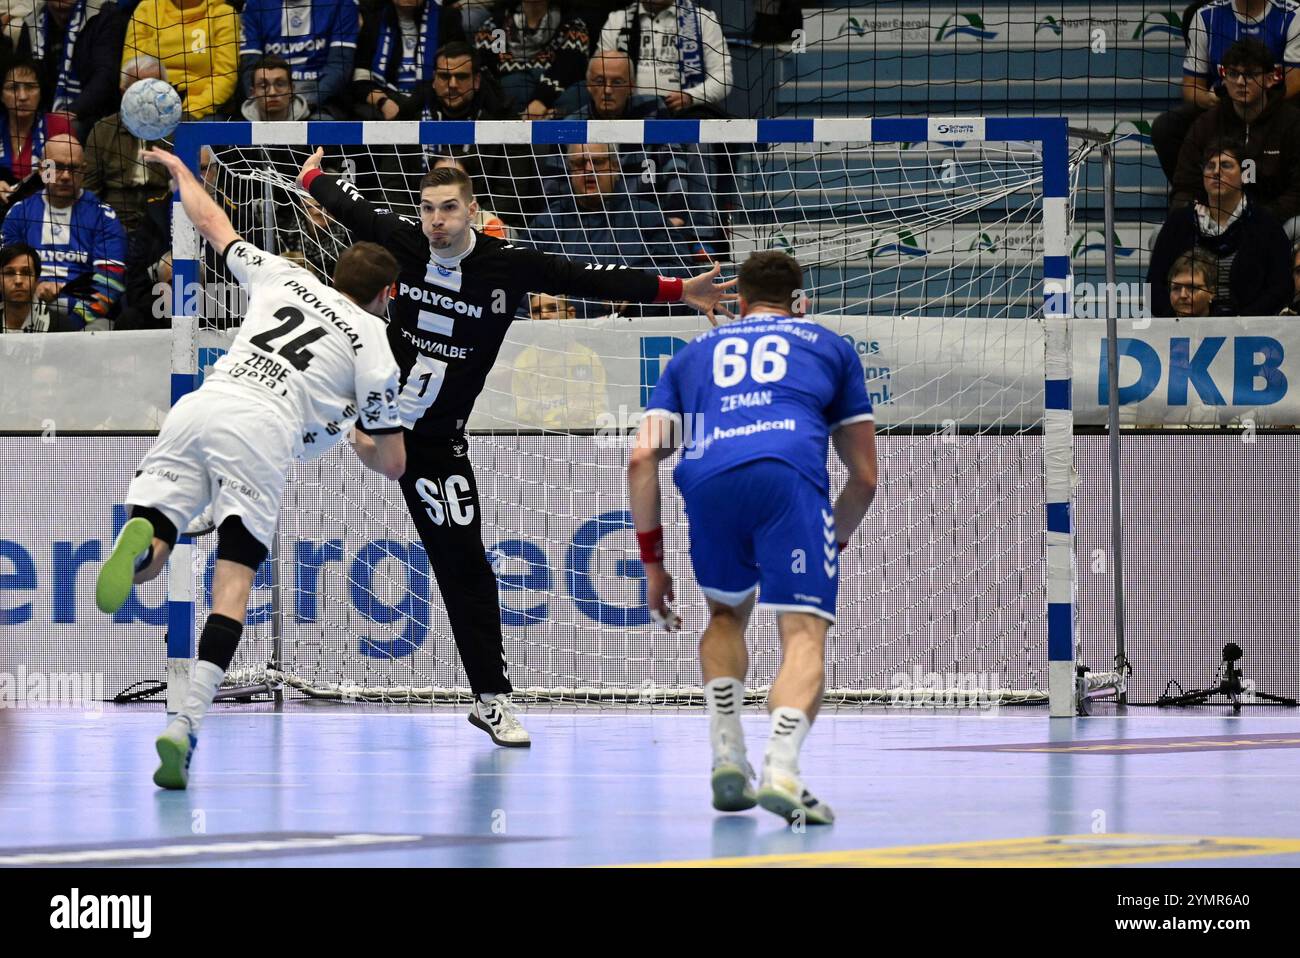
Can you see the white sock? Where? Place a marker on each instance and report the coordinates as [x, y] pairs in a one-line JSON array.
[[724, 698], [205, 679], [789, 729], [486, 697]]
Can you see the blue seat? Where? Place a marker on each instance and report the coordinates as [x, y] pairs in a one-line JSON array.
[[941, 67], [1120, 90], [855, 71]]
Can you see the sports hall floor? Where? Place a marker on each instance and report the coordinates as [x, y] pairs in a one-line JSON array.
[[322, 784]]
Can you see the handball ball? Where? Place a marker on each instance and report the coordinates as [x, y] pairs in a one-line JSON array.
[[151, 109]]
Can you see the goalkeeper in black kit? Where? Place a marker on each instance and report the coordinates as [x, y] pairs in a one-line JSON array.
[[457, 293]]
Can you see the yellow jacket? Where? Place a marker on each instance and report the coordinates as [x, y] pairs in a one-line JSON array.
[[199, 46]]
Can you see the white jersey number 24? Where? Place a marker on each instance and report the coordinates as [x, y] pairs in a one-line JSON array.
[[766, 364]]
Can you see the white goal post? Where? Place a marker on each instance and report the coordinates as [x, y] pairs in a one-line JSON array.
[[939, 246]]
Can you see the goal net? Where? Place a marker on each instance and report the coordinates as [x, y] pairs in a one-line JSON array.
[[929, 245]]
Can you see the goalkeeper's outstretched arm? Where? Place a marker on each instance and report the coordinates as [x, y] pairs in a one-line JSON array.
[[531, 269], [208, 218], [344, 202], [555, 274]]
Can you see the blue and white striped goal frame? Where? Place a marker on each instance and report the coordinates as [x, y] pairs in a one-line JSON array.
[[1049, 133]]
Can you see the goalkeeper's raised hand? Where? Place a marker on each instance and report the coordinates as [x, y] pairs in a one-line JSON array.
[[313, 163], [708, 296]]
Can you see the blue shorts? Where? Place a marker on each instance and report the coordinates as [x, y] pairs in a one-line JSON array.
[[764, 525]]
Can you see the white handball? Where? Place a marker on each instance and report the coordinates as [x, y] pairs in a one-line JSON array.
[[151, 109]]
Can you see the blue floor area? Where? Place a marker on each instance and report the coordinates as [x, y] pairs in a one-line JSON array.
[[323, 785]]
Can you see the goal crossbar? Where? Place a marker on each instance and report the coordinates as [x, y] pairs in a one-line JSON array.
[[1048, 136]]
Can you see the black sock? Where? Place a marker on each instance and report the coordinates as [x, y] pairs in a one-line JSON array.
[[219, 640]]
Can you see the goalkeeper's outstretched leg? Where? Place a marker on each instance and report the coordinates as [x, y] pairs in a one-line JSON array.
[[451, 529]]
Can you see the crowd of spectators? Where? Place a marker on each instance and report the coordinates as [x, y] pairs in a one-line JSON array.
[[91, 222], [1231, 152]]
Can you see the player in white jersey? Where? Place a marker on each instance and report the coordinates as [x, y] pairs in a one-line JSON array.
[[307, 362]]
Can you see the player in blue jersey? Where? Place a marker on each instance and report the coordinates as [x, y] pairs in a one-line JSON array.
[[1217, 25], [1211, 29], [81, 242], [753, 404], [318, 38]]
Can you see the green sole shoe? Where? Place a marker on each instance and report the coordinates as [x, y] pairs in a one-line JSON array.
[[118, 574], [174, 752]]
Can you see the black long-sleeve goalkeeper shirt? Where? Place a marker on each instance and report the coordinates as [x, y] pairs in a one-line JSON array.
[[446, 325]]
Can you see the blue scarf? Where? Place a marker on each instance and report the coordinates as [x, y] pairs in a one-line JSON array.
[[68, 86], [38, 143], [690, 52], [690, 40], [388, 48]]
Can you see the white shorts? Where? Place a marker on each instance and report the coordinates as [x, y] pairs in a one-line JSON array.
[[219, 449]]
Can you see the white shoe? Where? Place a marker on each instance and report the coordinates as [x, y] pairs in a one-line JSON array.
[[497, 717], [781, 793], [733, 784]]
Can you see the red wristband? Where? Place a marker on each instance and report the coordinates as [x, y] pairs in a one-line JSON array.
[[652, 545], [670, 290], [311, 176]]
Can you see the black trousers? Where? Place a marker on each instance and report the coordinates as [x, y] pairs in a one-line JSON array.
[[442, 495], [1168, 131]]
